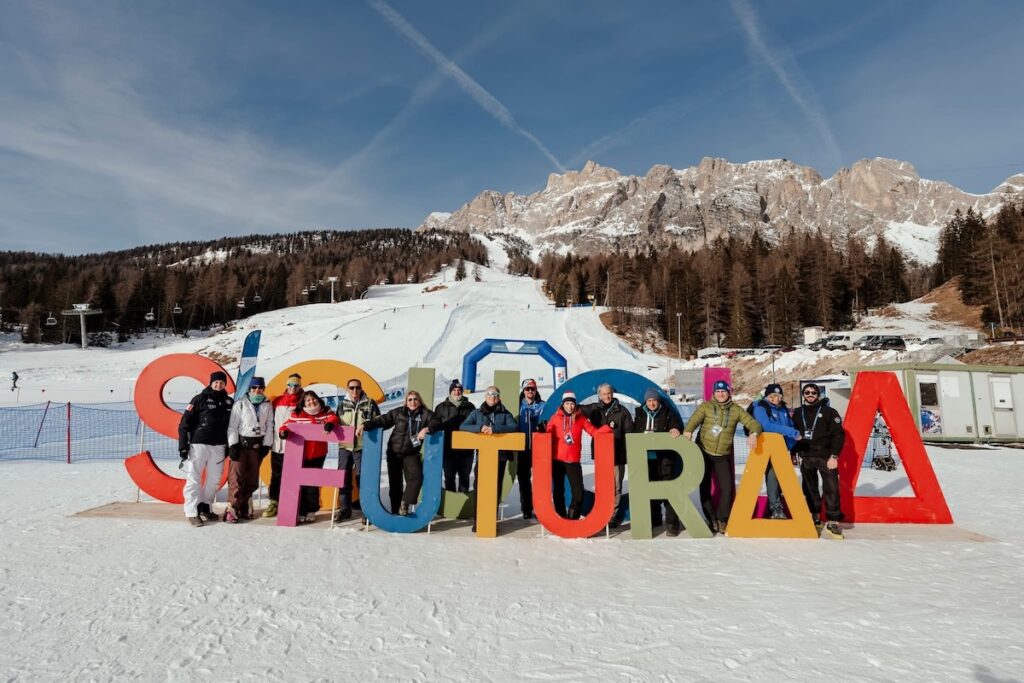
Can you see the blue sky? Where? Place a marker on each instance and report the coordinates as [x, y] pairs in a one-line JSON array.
[[132, 123]]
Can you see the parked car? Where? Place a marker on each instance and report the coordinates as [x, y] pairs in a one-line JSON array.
[[933, 340], [886, 343], [864, 342], [839, 341]]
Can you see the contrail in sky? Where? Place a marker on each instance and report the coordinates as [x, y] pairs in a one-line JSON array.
[[486, 100]]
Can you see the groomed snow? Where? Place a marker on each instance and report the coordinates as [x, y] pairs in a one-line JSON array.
[[93, 598]]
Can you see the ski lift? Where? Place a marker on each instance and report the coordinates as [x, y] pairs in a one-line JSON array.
[[409, 279], [257, 298], [241, 303], [176, 310], [150, 317], [305, 291], [312, 287], [50, 320]]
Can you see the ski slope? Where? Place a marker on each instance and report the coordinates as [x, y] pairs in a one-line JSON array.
[[393, 328]]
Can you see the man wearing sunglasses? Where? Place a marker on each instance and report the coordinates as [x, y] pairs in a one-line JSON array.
[[355, 409], [821, 440]]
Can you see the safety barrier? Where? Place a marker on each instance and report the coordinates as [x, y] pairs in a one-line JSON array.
[[74, 432]]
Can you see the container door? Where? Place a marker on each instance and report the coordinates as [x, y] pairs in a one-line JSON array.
[[1002, 406]]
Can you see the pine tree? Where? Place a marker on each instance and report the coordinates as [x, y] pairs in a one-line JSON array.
[[460, 271]]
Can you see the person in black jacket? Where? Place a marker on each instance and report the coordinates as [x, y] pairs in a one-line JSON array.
[[609, 412], [822, 437], [411, 422], [458, 463], [654, 416], [202, 445]]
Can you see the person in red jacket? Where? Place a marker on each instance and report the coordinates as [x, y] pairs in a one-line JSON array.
[[313, 411], [284, 405], [568, 424]]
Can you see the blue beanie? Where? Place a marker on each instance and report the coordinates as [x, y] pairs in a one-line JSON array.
[[651, 393], [723, 386]]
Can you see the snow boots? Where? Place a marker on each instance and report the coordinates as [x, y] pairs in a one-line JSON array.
[[271, 510], [205, 513], [195, 521], [833, 532]]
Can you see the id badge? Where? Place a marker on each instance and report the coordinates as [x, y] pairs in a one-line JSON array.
[[716, 430], [568, 439], [258, 431], [807, 433]]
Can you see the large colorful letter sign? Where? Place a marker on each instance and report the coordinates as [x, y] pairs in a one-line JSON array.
[[770, 448], [604, 487], [430, 497], [676, 491], [880, 391], [294, 475], [525, 347], [487, 447], [161, 418]]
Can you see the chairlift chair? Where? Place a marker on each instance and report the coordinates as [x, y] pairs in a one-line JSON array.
[[241, 303], [257, 298], [50, 320], [312, 287], [305, 291], [150, 317], [176, 310]]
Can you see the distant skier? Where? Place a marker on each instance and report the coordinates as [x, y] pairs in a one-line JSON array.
[[14, 381], [822, 434]]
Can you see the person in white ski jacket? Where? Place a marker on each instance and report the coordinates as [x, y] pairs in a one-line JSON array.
[[250, 436]]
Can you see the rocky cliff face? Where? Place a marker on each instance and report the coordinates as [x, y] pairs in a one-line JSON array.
[[598, 209]]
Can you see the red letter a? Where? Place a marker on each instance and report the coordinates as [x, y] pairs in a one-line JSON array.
[[880, 391]]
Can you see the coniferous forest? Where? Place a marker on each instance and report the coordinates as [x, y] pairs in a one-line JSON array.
[[734, 292]]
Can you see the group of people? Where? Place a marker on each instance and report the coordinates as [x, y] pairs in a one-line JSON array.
[[214, 427]]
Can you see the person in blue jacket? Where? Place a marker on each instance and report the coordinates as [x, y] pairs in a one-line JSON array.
[[772, 414], [531, 405], [492, 417]]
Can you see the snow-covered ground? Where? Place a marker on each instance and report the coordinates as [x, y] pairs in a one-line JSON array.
[[100, 598], [146, 596]]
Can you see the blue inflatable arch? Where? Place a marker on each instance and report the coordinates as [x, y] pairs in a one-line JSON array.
[[522, 347]]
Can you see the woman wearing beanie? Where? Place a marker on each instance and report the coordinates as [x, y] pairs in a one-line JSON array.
[[457, 463], [202, 444], [311, 410], [250, 435], [654, 416], [568, 424], [717, 420]]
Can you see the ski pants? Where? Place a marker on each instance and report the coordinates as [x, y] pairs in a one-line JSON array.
[[351, 462], [560, 471], [667, 467], [721, 467], [458, 465], [276, 464], [524, 474], [244, 478], [410, 468], [774, 491], [810, 467], [202, 458], [309, 496]]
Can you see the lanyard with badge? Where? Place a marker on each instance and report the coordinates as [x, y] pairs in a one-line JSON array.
[[717, 428], [808, 433]]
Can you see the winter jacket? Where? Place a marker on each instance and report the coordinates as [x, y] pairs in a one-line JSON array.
[[498, 418], [617, 418], [205, 419], [452, 415], [529, 419], [776, 419], [312, 449], [661, 420], [407, 424], [355, 413], [726, 417], [251, 421], [284, 405], [564, 424], [826, 427]]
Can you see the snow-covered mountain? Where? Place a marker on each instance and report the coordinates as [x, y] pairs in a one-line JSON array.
[[598, 208]]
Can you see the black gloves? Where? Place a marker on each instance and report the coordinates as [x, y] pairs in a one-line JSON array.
[[283, 432], [328, 427], [234, 452], [183, 454]]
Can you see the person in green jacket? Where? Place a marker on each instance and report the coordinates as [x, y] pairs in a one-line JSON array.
[[717, 420]]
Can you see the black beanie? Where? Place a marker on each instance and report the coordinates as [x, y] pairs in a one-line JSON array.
[[218, 375]]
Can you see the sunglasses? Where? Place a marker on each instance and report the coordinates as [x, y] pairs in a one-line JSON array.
[[354, 387], [810, 393], [492, 394], [529, 389], [294, 384]]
